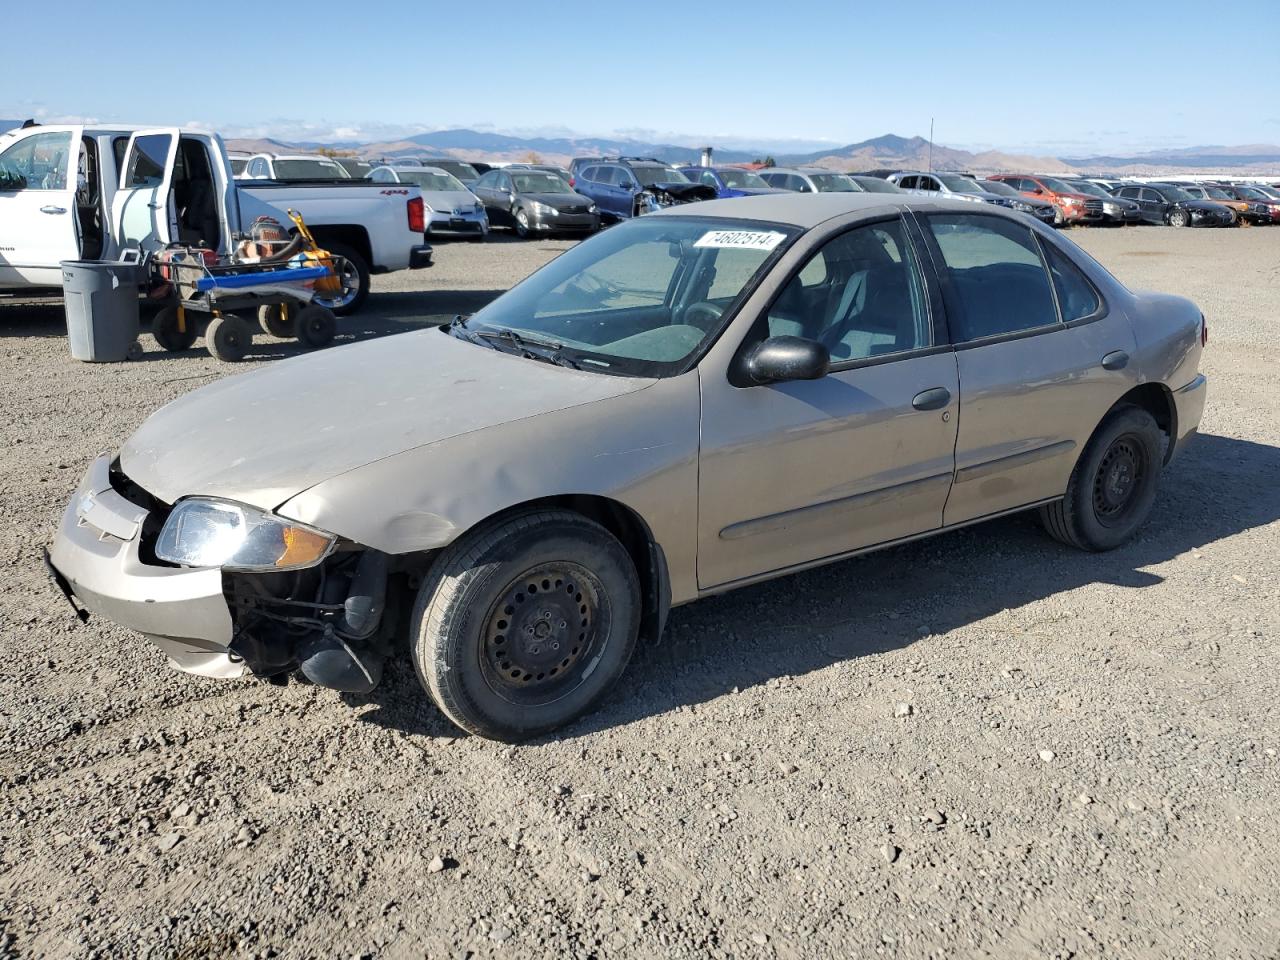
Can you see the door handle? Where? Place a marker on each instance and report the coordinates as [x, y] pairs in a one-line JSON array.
[[933, 399], [52, 209], [154, 205], [1115, 360]]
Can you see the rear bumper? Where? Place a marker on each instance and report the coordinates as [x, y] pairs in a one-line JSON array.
[[1189, 403], [420, 257], [96, 558]]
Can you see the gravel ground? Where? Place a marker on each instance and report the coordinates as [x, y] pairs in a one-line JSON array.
[[979, 745]]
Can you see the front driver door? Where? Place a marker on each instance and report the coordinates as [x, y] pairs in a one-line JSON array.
[[796, 472], [38, 226], [143, 206]]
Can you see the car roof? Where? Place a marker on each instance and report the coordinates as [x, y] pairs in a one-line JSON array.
[[807, 210]]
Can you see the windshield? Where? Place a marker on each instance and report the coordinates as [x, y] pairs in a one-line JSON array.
[[834, 183], [1271, 193], [442, 182], [875, 185], [648, 176], [959, 184], [743, 180], [318, 169], [237, 165], [358, 169], [1249, 193], [1173, 193], [995, 186], [1214, 193], [463, 171], [540, 183], [1084, 186], [1058, 186], [640, 298]]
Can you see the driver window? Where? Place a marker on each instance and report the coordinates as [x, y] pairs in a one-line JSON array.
[[37, 162], [866, 300]]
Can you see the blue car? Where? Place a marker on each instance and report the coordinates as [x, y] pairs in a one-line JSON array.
[[730, 181]]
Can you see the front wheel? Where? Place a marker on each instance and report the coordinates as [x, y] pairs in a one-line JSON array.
[[523, 626], [1113, 486], [1179, 218], [174, 329], [228, 337], [522, 224], [315, 326]]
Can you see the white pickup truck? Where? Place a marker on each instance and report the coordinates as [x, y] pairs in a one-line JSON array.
[[71, 192]]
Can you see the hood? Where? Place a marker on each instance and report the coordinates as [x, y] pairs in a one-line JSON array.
[[757, 191], [561, 201], [1207, 206], [684, 192], [447, 200], [263, 437]]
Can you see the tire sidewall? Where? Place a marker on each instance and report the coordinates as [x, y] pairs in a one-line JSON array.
[[1094, 534], [448, 625], [362, 270], [228, 338]]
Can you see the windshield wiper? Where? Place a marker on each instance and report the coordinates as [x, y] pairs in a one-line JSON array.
[[532, 347]]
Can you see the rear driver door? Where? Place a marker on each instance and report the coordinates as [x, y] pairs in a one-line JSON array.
[[142, 211]]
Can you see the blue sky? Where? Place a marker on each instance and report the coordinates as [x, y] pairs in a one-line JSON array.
[[1003, 75]]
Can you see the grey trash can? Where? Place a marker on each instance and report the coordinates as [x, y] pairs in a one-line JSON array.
[[101, 300]]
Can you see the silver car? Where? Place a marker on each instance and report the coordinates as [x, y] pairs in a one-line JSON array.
[[451, 208], [697, 400]]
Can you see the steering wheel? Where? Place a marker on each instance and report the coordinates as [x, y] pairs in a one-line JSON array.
[[702, 308]]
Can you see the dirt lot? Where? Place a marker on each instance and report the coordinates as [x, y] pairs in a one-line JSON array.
[[1086, 766]]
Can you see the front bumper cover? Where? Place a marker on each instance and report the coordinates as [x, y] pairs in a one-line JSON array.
[[96, 560]]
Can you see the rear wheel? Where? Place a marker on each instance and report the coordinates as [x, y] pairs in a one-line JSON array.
[[315, 326], [354, 275], [278, 320], [228, 337], [1113, 486], [523, 626], [173, 331]]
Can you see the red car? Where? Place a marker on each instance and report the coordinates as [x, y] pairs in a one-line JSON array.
[[1073, 206]]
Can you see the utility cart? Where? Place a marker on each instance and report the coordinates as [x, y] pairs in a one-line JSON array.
[[277, 276]]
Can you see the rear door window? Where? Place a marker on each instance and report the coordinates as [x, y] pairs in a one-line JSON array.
[[147, 160], [1077, 297], [997, 280]]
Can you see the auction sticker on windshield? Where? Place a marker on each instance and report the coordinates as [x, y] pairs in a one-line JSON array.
[[741, 239]]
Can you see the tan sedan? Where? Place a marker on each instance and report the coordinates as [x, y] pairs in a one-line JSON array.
[[693, 401]]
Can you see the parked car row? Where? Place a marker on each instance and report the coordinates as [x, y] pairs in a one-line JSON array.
[[540, 198]]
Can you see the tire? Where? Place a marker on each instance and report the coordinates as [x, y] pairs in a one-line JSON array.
[[1178, 218], [278, 320], [521, 221], [355, 281], [489, 659], [1113, 485], [228, 337], [315, 326], [164, 326], [1058, 219]]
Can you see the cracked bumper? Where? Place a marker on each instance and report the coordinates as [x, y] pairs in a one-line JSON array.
[[96, 555]]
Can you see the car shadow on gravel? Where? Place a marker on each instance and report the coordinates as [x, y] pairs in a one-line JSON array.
[[888, 600]]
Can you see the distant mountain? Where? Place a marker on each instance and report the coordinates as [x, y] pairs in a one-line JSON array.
[[1247, 158], [889, 151]]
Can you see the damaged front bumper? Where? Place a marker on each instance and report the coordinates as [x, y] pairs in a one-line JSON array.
[[97, 554], [325, 620]]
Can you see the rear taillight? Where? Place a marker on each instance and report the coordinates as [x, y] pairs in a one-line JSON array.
[[1204, 331], [573, 181], [417, 215]]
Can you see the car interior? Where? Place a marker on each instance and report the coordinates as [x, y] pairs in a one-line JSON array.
[[195, 195]]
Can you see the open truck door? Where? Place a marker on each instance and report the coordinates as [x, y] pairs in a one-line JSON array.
[[38, 224], [142, 210]]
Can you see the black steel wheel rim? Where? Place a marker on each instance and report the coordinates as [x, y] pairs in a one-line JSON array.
[[544, 633], [1118, 480]]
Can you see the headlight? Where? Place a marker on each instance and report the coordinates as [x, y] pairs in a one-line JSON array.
[[542, 209], [1111, 208], [593, 209], [426, 207], [1022, 207], [479, 207], [218, 533]]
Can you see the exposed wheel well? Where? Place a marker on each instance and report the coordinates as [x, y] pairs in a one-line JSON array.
[[357, 238], [1156, 399]]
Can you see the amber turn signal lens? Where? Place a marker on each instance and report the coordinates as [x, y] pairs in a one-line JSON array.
[[301, 547]]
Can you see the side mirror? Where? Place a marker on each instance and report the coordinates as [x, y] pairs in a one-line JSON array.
[[1037, 191], [778, 359]]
